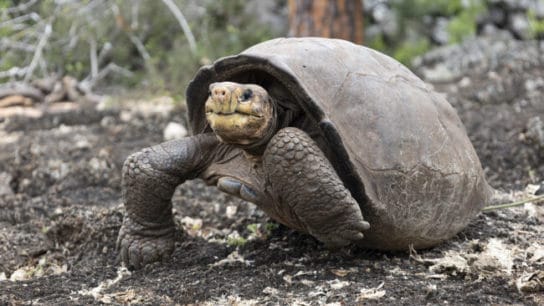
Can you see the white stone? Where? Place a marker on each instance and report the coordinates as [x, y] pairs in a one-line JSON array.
[[174, 130]]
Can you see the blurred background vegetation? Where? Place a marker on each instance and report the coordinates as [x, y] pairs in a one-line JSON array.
[[142, 43]]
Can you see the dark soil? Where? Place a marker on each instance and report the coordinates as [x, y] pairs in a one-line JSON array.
[[60, 216]]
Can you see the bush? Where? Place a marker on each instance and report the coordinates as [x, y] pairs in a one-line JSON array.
[[142, 38]]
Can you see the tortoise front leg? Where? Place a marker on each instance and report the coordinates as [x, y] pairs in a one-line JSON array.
[[309, 194], [150, 178]]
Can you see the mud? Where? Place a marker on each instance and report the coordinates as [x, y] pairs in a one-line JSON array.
[[60, 211]]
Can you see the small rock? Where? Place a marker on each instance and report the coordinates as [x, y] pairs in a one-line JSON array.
[[380, 12], [538, 8], [20, 274], [540, 190], [231, 211], [161, 106], [532, 282], [465, 82], [174, 131], [338, 284], [439, 73], [107, 121], [492, 30], [125, 116], [270, 291], [497, 16], [371, 293], [451, 263], [515, 4], [5, 188], [535, 131], [534, 86], [537, 251], [497, 257], [440, 33], [519, 24]]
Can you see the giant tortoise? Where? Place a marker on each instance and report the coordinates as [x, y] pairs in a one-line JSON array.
[[327, 137]]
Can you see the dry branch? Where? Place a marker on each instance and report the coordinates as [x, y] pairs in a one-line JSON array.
[[22, 89], [16, 100], [21, 7], [183, 23], [38, 52], [93, 57]]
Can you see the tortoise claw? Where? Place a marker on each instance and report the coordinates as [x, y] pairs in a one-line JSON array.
[[238, 189], [342, 235]]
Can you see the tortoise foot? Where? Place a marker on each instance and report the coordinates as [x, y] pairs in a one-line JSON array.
[[140, 245], [345, 228]]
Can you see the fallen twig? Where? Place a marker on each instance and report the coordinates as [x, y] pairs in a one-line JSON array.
[[514, 204], [22, 89], [15, 100]]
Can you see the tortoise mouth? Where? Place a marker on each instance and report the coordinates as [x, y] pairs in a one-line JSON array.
[[231, 114], [237, 127]]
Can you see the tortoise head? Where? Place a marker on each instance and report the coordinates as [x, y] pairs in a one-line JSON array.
[[240, 114]]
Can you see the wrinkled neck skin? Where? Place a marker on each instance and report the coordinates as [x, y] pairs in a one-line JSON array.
[[256, 149]]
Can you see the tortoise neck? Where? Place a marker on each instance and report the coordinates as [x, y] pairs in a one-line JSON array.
[[257, 148]]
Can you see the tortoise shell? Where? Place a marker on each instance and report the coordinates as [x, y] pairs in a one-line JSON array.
[[397, 145]]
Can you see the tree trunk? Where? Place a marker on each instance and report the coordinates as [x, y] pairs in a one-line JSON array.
[[335, 19]]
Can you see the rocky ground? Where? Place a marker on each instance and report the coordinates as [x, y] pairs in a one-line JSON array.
[[60, 209]]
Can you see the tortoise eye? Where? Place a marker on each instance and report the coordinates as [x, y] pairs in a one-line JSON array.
[[246, 95]]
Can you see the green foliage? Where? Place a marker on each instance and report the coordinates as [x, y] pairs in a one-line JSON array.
[[416, 8], [4, 4], [409, 49], [269, 227], [253, 228], [236, 241], [463, 24], [537, 25], [411, 40], [259, 231], [378, 43]]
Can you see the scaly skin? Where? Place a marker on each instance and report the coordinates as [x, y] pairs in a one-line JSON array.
[[150, 178], [308, 193]]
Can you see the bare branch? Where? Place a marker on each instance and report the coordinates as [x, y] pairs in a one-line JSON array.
[[140, 47], [38, 52], [21, 7], [104, 52], [20, 19], [13, 72], [183, 23], [6, 44], [134, 20], [111, 67], [23, 89], [94, 58]]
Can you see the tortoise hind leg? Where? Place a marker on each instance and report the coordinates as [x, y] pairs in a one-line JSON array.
[[308, 193]]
